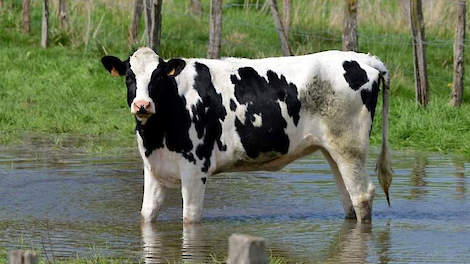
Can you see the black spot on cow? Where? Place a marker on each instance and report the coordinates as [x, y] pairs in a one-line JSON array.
[[261, 97], [354, 75], [203, 179], [170, 124], [131, 86], [233, 105], [369, 99], [208, 115]]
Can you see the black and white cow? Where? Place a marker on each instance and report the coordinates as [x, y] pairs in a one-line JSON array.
[[199, 117]]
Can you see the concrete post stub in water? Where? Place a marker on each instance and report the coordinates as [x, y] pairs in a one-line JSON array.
[[245, 249], [23, 257]]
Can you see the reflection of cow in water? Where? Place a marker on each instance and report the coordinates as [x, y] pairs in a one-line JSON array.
[[199, 117], [352, 243]]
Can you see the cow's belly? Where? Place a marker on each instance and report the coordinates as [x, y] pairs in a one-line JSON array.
[[162, 166], [271, 161]]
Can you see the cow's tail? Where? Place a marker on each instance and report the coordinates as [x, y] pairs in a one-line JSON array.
[[383, 166]]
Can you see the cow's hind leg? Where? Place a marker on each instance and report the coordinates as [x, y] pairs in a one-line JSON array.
[[349, 212], [351, 166], [154, 195], [193, 186]]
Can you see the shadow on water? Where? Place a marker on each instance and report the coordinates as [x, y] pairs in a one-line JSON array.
[[66, 202]]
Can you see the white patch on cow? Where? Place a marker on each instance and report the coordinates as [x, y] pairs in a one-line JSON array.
[[143, 62], [185, 81], [241, 112], [290, 130], [258, 120]]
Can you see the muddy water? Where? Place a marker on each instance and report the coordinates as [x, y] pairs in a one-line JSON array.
[[65, 202]]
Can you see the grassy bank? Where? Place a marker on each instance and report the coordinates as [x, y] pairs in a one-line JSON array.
[[109, 260], [62, 91]]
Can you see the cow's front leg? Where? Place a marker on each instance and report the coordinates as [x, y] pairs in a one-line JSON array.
[[193, 186], [154, 195]]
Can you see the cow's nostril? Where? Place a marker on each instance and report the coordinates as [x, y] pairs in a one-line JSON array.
[[142, 110]]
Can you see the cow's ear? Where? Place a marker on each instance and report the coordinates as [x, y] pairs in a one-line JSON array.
[[114, 65], [175, 66]]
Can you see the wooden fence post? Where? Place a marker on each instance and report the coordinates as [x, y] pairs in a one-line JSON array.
[[243, 249], [23, 257], [215, 30], [350, 39], [148, 21], [286, 16], [459, 46], [280, 28], [45, 24], [63, 14], [153, 22], [26, 16], [419, 48], [195, 7], [156, 25], [137, 14]]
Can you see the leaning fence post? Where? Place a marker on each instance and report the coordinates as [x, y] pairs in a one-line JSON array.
[[280, 28], [23, 257], [459, 46], [419, 48], [244, 249]]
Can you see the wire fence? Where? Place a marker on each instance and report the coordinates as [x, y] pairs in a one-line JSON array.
[[335, 36]]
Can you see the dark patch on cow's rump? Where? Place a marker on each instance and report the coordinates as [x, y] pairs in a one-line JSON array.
[[354, 75], [233, 105], [203, 179], [208, 115], [369, 99], [170, 124], [261, 98]]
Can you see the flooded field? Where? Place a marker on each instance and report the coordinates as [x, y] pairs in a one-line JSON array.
[[66, 202]]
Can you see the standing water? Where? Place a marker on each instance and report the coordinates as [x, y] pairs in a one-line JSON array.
[[66, 202]]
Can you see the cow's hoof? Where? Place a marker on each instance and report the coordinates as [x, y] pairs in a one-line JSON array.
[[364, 212], [350, 214], [148, 216]]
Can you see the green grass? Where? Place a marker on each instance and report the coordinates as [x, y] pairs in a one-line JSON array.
[[63, 92], [109, 260]]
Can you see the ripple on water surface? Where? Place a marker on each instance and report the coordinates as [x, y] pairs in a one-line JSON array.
[[67, 202]]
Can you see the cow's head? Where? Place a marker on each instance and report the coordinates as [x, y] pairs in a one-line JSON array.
[[147, 76]]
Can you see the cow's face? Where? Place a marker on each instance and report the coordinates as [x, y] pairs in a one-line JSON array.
[[147, 77]]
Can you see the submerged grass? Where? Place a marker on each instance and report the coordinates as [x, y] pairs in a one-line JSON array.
[[64, 91]]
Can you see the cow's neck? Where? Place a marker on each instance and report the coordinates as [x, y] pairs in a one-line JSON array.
[[169, 126]]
